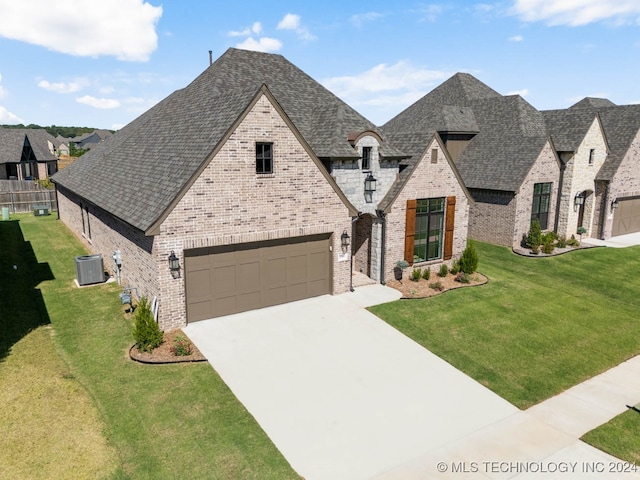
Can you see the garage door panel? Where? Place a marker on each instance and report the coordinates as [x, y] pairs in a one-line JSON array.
[[235, 278], [626, 218]]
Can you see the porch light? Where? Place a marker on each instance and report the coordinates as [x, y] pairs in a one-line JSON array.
[[345, 241], [615, 204], [369, 188], [578, 201], [174, 264]]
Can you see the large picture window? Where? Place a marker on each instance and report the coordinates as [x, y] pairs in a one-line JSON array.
[[427, 243], [264, 157], [541, 201]]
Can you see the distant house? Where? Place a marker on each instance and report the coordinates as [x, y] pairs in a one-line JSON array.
[[270, 198], [27, 154], [88, 140]]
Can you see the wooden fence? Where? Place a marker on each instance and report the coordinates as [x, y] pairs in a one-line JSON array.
[[22, 196]]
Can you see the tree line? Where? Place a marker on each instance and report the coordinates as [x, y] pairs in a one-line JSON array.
[[55, 130]]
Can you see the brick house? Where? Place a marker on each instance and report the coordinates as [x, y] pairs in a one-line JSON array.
[[501, 150], [599, 143], [251, 176], [27, 154]]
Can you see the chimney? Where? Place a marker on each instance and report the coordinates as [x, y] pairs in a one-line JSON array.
[[210, 57]]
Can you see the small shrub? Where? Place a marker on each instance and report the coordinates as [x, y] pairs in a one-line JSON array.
[[426, 273], [534, 237], [443, 270], [469, 259], [535, 250], [455, 267], [181, 346], [437, 286], [462, 277], [548, 248], [416, 274], [572, 242], [146, 332], [562, 242]]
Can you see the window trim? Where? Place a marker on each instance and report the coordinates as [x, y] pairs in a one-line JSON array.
[[436, 215], [264, 162]]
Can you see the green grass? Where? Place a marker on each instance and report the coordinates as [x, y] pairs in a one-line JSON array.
[[619, 437], [168, 421], [540, 326]]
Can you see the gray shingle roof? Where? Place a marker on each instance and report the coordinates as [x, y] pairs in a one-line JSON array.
[[592, 102], [568, 127], [512, 136], [140, 170], [12, 140]]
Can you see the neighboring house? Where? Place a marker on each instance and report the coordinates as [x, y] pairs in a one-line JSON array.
[[250, 204], [62, 145], [27, 154], [88, 140], [501, 150]]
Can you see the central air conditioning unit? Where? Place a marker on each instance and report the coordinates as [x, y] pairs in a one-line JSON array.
[[89, 269]]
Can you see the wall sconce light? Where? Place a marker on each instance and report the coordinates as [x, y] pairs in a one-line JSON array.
[[345, 241], [615, 204], [174, 264], [369, 187], [578, 201]]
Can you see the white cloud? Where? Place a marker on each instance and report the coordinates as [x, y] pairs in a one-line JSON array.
[[255, 28], [62, 87], [9, 118], [516, 38], [291, 21], [361, 19], [264, 44], [101, 103], [125, 29], [577, 12], [523, 92], [430, 12], [3, 92], [387, 89]]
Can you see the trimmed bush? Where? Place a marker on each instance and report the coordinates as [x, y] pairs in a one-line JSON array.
[[426, 273], [534, 237], [146, 332], [181, 347], [469, 259], [437, 286], [416, 274], [562, 242], [455, 267], [462, 278], [443, 270]]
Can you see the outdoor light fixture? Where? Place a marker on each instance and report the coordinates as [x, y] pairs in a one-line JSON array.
[[345, 241], [615, 204], [578, 201], [174, 264], [369, 187]]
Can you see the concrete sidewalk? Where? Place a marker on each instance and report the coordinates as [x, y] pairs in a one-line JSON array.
[[621, 241]]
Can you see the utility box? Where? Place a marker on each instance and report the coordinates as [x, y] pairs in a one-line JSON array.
[[89, 269], [40, 210]]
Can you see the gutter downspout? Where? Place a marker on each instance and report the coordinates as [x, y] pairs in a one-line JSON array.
[[353, 237], [383, 234]]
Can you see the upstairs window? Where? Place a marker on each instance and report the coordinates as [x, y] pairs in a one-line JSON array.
[[540, 207], [366, 158], [264, 157], [592, 154]]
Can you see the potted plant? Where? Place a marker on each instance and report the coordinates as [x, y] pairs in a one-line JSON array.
[[400, 266], [581, 231]]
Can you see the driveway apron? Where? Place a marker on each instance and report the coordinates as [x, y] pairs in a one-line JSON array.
[[341, 393]]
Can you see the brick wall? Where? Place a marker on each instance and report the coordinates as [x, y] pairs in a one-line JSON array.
[[492, 217], [429, 180], [109, 234], [230, 204], [545, 170], [579, 176], [625, 183]]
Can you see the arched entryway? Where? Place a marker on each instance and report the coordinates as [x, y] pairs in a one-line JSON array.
[[362, 245], [584, 201]]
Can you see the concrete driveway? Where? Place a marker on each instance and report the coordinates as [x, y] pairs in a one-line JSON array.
[[341, 393]]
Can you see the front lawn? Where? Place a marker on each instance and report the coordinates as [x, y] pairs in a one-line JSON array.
[[619, 437], [168, 421], [540, 326]]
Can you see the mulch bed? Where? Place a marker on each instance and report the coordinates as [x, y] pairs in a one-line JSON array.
[[422, 289], [162, 354]]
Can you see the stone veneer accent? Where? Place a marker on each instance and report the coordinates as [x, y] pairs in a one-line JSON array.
[[578, 177], [428, 180], [229, 204]]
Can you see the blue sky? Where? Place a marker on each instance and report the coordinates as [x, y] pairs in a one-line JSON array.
[[102, 63]]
